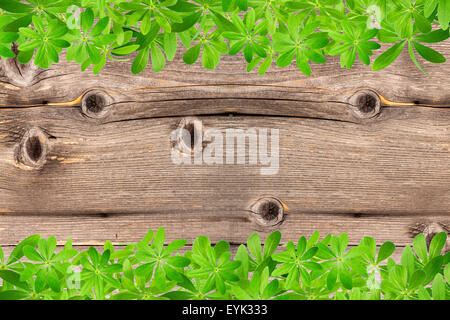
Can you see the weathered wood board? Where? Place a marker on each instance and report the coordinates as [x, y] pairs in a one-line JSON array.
[[89, 157]]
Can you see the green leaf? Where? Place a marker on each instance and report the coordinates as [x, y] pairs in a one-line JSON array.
[[175, 245], [59, 43], [240, 293], [53, 281], [432, 268], [15, 25], [125, 296], [435, 36], [447, 273], [242, 4], [145, 269], [389, 56], [13, 278], [310, 253], [100, 27], [141, 60], [248, 52], [87, 19], [423, 294], [32, 254], [242, 256], [125, 50], [444, 13], [177, 261], [250, 19], [13, 295], [220, 284], [163, 22], [30, 45], [302, 63], [293, 278], [15, 6], [437, 244], [18, 253], [254, 246], [422, 24], [346, 279], [413, 58], [282, 270], [271, 243], [270, 290], [429, 54], [99, 66], [387, 36], [237, 46], [286, 58], [407, 260], [158, 63], [232, 35], [332, 278], [170, 45], [430, 6], [187, 23], [420, 247], [386, 250], [25, 56], [438, 288], [191, 55], [417, 279], [9, 37], [146, 40], [103, 40], [94, 53], [223, 23], [221, 247]]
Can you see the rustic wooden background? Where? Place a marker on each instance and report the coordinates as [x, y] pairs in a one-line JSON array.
[[88, 157]]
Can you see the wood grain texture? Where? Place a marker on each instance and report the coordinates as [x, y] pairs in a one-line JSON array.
[[105, 172], [120, 228], [189, 90], [388, 167]]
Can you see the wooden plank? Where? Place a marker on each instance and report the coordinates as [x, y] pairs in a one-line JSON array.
[[235, 228], [397, 166], [89, 156], [192, 90]]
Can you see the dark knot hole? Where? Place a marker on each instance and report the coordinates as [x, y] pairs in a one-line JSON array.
[[269, 210], [34, 148], [95, 103], [367, 103]]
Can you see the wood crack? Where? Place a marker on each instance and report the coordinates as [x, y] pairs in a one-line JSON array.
[[238, 114], [314, 90]]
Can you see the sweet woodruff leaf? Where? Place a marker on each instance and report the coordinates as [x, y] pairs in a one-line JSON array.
[[310, 268], [278, 32]]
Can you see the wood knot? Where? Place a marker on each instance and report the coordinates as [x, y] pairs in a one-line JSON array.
[[95, 104], [33, 149], [430, 229], [268, 212], [366, 103], [188, 136], [21, 75]]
